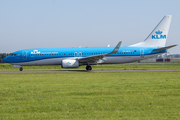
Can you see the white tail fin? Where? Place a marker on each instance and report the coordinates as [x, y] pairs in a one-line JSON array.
[[157, 38]]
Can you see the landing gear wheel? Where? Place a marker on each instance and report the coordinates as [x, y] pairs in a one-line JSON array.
[[20, 69], [88, 68]]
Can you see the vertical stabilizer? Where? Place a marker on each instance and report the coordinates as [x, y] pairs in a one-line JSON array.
[[158, 37]]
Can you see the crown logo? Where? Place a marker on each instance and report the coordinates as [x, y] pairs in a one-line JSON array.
[[158, 32], [68, 63]]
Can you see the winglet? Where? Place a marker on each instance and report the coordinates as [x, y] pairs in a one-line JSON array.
[[116, 49]]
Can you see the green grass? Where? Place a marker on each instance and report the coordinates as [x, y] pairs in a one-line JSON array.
[[136, 66], [131, 95]]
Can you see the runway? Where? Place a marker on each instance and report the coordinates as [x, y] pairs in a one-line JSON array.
[[70, 71]]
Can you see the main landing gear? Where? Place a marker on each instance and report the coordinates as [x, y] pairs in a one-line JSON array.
[[88, 67], [20, 69]]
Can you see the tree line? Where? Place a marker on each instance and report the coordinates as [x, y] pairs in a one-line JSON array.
[[2, 56]]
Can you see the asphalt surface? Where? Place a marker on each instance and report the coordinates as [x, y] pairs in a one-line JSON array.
[[66, 71]]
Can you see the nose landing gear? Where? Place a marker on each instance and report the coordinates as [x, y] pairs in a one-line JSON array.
[[88, 67]]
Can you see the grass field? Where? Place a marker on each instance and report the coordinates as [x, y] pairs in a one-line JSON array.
[[136, 66], [132, 95]]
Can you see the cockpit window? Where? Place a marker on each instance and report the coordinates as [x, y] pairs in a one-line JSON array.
[[13, 54]]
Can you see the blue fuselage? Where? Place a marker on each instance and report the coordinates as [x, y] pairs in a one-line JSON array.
[[50, 56]]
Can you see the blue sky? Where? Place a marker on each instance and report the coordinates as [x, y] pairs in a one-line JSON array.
[[28, 24]]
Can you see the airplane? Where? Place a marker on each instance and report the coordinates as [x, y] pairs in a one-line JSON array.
[[152, 46]]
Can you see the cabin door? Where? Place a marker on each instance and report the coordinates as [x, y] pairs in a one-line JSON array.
[[141, 53], [24, 55]]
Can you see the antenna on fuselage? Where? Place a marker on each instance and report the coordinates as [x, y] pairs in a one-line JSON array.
[[108, 45]]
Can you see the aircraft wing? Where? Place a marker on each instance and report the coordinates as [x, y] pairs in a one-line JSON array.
[[95, 58], [164, 48]]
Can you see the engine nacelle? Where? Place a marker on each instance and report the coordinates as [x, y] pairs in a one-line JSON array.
[[70, 64]]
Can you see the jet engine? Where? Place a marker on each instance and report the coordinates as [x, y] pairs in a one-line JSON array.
[[70, 64]]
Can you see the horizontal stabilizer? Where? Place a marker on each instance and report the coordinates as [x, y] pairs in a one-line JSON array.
[[164, 48]]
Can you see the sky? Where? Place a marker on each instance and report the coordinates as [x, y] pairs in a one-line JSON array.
[[28, 24]]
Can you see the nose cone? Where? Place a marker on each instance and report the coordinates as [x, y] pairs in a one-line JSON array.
[[6, 59]]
